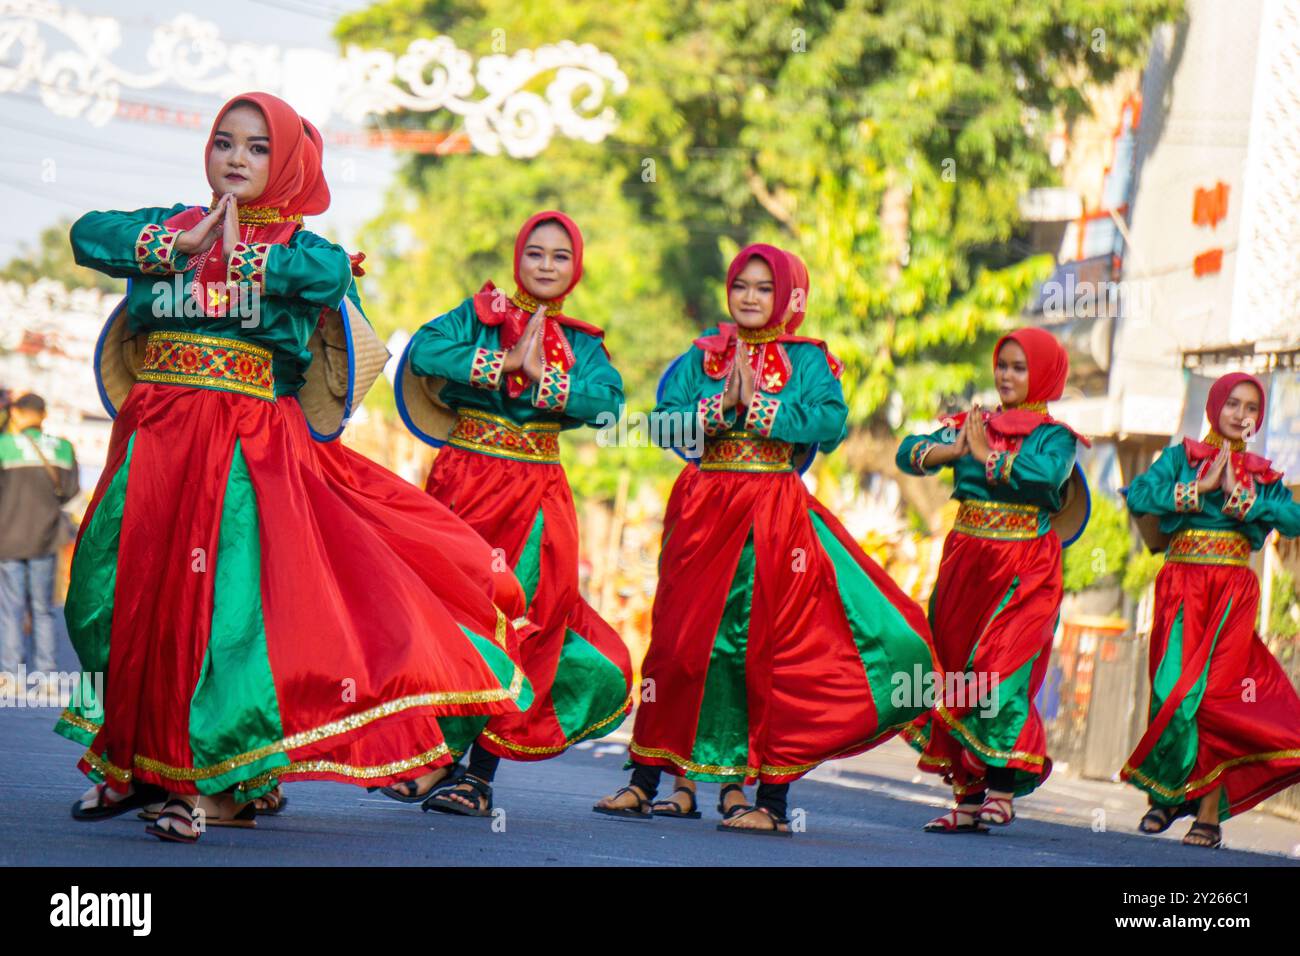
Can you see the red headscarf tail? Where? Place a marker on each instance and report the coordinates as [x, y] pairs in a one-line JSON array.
[[1049, 365], [1220, 391], [295, 183], [789, 303], [798, 292], [575, 236], [782, 276], [1249, 468]]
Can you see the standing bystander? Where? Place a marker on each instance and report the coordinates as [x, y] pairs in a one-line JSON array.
[[38, 474]]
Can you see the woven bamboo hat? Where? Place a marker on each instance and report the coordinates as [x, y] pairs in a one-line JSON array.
[[118, 354], [419, 404], [1076, 508], [347, 357]]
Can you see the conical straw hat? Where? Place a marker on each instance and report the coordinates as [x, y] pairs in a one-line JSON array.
[[422, 411], [118, 355], [347, 357], [1076, 508]]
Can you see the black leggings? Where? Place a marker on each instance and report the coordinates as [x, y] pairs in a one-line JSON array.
[[482, 763], [771, 796], [997, 778]]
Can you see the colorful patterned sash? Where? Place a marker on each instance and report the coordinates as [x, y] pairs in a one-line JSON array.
[[1201, 546], [208, 361], [998, 519], [491, 434], [746, 451]]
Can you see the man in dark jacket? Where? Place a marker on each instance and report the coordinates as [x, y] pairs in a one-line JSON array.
[[38, 473]]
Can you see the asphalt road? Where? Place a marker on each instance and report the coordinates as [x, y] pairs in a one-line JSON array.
[[859, 819]]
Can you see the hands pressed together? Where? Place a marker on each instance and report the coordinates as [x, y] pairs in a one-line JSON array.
[[527, 353], [971, 440], [740, 384], [222, 220], [1219, 475]]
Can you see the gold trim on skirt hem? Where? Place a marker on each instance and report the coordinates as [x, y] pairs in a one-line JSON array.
[[347, 770], [520, 748], [983, 749], [1160, 790], [332, 729]]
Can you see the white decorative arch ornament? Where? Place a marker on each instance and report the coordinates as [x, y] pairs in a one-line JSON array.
[[79, 79]]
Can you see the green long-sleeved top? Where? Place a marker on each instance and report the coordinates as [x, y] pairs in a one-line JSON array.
[[809, 408], [1033, 474], [298, 278], [1157, 491], [467, 353]]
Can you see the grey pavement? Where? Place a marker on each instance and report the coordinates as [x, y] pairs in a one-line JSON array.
[[856, 819], [867, 810]]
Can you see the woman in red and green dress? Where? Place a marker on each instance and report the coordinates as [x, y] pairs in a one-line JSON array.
[[518, 372], [253, 624], [775, 640], [998, 594], [1224, 727]]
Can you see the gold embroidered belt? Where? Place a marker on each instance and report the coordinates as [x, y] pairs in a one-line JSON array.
[[1200, 546], [493, 435], [208, 361], [998, 519], [746, 451]]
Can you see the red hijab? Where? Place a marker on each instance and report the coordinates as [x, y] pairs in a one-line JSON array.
[[295, 183], [1049, 367], [295, 187], [768, 356], [1247, 468], [519, 308]]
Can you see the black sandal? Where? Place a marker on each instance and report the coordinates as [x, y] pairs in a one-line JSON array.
[[275, 802], [777, 823], [642, 811], [394, 794], [440, 799], [738, 808], [141, 796], [186, 817], [1211, 831], [1164, 817], [675, 811]]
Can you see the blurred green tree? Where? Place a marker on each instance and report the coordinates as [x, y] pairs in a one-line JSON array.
[[885, 141], [51, 258]]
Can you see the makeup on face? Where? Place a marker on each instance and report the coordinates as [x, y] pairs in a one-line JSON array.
[[546, 266], [1011, 375], [1240, 412], [240, 159], [749, 300]]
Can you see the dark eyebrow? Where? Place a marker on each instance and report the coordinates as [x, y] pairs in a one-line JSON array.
[[222, 132], [533, 245]]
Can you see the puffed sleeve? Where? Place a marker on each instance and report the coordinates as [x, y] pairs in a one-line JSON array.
[[128, 245]]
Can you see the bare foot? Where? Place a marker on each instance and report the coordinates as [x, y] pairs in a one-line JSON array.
[[422, 785], [628, 799], [168, 823], [756, 818], [101, 796], [466, 795]]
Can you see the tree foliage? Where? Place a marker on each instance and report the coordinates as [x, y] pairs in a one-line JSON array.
[[885, 141], [51, 258]]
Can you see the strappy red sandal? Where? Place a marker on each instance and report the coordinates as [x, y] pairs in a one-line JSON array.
[[949, 823], [181, 812], [996, 811]]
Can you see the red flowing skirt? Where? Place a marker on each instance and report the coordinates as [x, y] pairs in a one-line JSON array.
[[775, 639], [993, 613], [579, 667], [1223, 713], [253, 614]]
